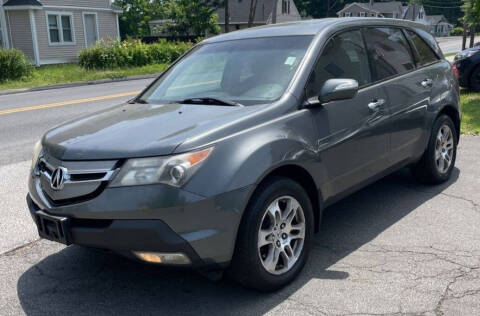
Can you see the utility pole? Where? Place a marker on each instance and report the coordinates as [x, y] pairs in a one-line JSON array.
[[227, 17], [274, 12]]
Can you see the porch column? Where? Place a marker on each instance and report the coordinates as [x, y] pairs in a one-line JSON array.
[[3, 26], [33, 29]]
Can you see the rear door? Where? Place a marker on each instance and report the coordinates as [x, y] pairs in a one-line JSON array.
[[352, 137], [407, 90]]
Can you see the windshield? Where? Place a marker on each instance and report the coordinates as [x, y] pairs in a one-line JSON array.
[[248, 71]]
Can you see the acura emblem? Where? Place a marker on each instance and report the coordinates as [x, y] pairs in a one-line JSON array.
[[59, 176]]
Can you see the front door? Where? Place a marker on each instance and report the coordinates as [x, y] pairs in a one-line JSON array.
[[91, 34], [352, 141]]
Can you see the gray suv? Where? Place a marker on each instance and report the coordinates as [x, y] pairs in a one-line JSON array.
[[227, 160]]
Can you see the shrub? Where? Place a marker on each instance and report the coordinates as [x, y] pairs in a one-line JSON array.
[[457, 31], [13, 65], [130, 53]]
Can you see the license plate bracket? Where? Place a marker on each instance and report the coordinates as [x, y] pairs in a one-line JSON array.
[[54, 228]]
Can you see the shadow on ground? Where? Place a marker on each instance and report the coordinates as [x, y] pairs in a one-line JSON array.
[[80, 281]]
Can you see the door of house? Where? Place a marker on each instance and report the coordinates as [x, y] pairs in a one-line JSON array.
[[91, 29]]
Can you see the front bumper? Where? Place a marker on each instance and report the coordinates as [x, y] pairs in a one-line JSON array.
[[123, 235], [155, 218]]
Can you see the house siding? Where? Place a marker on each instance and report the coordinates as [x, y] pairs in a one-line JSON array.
[[107, 29], [19, 32]]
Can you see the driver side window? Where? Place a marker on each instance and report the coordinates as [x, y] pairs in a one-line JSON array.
[[344, 56]]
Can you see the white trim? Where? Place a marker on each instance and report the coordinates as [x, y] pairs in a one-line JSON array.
[[363, 14], [118, 26], [59, 15], [85, 29], [5, 38], [33, 29], [22, 7], [81, 8]]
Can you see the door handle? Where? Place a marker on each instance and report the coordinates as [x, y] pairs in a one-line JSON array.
[[376, 104], [427, 83]]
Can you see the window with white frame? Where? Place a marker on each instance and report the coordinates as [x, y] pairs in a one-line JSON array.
[[348, 14], [362, 14], [60, 28]]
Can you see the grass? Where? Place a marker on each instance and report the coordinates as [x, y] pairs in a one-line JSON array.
[[449, 54], [66, 73], [470, 105]]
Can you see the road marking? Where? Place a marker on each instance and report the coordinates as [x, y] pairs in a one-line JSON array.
[[52, 105]]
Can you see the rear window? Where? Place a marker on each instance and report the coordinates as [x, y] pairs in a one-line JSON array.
[[424, 55], [389, 51]]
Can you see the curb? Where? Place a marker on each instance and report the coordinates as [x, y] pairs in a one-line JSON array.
[[76, 84]]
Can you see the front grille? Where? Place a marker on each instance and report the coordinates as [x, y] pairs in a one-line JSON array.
[[80, 180]]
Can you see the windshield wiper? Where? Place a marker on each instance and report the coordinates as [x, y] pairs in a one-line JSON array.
[[138, 101], [210, 101]]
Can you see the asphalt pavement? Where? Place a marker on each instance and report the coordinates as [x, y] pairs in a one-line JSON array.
[[395, 247]]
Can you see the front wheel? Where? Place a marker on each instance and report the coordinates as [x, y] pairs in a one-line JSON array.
[[275, 236], [437, 163]]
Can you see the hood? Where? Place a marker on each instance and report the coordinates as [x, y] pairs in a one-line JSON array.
[[137, 130]]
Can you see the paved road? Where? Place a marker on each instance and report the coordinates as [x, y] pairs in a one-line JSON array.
[[394, 247], [451, 44]]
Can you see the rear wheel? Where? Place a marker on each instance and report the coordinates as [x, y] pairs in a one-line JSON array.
[[438, 160], [275, 236]]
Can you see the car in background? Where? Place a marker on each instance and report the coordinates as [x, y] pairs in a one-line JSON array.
[[466, 66], [229, 158]]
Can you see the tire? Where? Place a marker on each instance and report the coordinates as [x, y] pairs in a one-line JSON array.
[[250, 261], [475, 79], [429, 170]]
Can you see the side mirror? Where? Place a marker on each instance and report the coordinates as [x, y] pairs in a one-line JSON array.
[[338, 89], [335, 90]]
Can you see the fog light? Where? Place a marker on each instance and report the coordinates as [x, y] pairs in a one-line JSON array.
[[165, 258]]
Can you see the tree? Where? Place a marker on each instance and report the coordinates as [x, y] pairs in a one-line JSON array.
[[191, 17], [136, 15], [471, 19], [227, 16]]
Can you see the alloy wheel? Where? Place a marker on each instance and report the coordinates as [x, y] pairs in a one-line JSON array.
[[444, 149], [282, 234]]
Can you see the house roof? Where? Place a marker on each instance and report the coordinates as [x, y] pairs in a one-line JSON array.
[[22, 3], [408, 15], [435, 19], [379, 7]]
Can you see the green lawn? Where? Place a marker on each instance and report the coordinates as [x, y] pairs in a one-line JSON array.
[[55, 74], [470, 105]]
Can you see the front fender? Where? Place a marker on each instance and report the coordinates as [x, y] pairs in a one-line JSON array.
[[245, 158]]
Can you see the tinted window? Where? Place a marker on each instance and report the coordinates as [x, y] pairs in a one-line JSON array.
[[389, 51], [424, 55], [344, 56]]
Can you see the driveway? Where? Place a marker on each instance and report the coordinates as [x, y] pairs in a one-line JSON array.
[[396, 247]]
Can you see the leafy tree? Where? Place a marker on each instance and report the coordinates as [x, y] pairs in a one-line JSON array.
[[192, 17], [471, 19], [136, 15]]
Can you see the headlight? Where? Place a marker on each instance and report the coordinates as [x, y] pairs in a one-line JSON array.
[[37, 149], [465, 54], [172, 170]]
